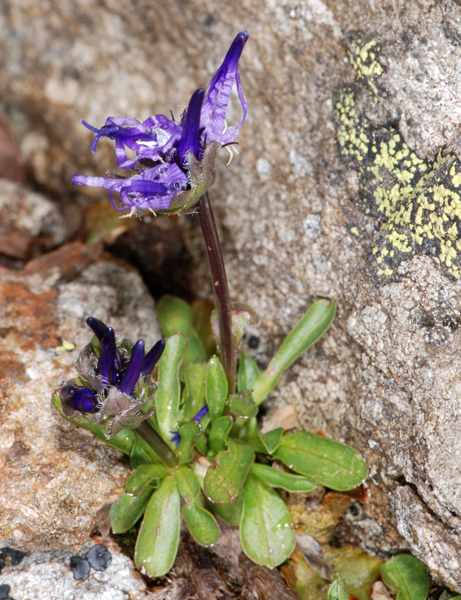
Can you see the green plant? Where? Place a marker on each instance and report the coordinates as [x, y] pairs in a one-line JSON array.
[[190, 428]]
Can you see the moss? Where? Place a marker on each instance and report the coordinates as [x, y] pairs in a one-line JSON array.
[[416, 201]]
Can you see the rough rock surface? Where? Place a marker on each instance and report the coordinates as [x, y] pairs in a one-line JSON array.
[[340, 193], [47, 576], [55, 479], [30, 224]]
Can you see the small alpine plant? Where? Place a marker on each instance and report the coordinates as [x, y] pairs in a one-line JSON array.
[[185, 412]]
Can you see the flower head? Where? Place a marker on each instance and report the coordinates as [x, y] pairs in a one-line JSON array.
[[115, 383], [173, 162]]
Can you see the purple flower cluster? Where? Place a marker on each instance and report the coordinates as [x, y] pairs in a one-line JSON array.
[[114, 383], [180, 155]]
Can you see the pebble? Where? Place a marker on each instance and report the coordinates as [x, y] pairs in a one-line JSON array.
[[80, 567], [99, 557]]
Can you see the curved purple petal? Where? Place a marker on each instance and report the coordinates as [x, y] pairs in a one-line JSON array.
[[133, 370], [102, 182], [219, 91], [201, 413], [98, 327], [152, 358], [108, 356], [82, 399], [190, 139], [90, 127], [230, 135]]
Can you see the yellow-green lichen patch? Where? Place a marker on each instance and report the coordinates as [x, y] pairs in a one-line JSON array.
[[364, 58], [417, 203]]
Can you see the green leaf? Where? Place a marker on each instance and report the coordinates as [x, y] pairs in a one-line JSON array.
[[280, 479], [201, 445], [215, 387], [189, 433], [248, 372], [407, 576], [266, 534], [242, 405], [266, 443], [174, 316], [144, 475], [230, 512], [195, 352], [201, 321], [168, 392], [219, 433], [226, 477], [158, 537], [200, 522], [307, 331], [326, 461], [128, 509], [122, 441], [337, 589], [194, 395]]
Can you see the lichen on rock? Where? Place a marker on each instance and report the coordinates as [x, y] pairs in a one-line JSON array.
[[416, 201]]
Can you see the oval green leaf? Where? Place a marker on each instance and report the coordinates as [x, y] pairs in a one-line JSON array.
[[144, 475], [215, 387], [174, 316], [158, 537], [407, 576], [266, 533], [226, 477], [201, 321], [326, 461], [242, 405], [127, 510], [307, 331], [219, 434], [189, 433], [280, 479], [200, 522], [248, 372], [168, 392], [195, 352]]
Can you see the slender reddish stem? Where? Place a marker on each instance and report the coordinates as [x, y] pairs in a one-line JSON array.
[[220, 287]]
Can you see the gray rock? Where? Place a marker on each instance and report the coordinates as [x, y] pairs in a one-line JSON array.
[[339, 194], [47, 576], [30, 225], [57, 479]]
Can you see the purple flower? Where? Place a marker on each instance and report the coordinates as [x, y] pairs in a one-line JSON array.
[[114, 384], [175, 439], [182, 153]]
